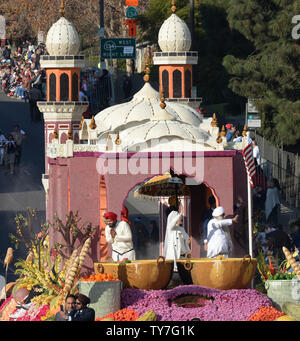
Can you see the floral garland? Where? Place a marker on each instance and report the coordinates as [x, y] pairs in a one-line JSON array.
[[225, 305], [35, 313]]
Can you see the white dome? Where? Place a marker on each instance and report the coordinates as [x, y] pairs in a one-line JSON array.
[[174, 35], [62, 39], [141, 109], [161, 132]]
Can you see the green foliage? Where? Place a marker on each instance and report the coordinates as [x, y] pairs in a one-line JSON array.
[[270, 74]]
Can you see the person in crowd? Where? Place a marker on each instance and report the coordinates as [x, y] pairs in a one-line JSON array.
[[35, 95], [237, 137], [127, 86], [10, 153], [68, 311], [176, 244], [3, 141], [231, 133], [259, 198], [119, 235], [256, 153], [272, 204], [294, 227], [83, 312], [276, 239], [218, 240], [19, 136], [207, 217]]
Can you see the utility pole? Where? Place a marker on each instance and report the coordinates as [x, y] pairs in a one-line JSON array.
[[101, 30], [192, 12]]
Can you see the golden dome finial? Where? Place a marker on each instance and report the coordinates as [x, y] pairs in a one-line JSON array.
[[62, 8], [173, 8], [93, 125], [223, 131], [219, 138], [162, 100], [214, 122], [147, 72], [244, 131], [81, 122], [70, 135], [118, 141]]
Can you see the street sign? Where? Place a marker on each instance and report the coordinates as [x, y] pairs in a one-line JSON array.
[[118, 48], [253, 120], [132, 2], [131, 12]]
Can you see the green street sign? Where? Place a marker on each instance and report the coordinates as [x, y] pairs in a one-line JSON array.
[[118, 48], [131, 12]]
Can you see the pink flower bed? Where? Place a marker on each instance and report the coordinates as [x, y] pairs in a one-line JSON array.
[[227, 305]]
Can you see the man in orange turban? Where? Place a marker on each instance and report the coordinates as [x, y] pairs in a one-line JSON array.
[[119, 235]]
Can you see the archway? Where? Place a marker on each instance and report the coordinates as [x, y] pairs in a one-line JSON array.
[[143, 215]]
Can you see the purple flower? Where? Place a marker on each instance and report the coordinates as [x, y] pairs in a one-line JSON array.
[[225, 305]]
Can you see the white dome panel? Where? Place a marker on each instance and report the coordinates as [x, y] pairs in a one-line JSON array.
[[174, 35]]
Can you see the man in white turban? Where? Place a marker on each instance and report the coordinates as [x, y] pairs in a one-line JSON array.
[[176, 240], [218, 240]]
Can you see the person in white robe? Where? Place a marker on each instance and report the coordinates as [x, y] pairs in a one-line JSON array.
[[119, 235], [219, 241], [176, 244]]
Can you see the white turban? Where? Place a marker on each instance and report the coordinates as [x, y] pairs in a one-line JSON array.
[[218, 211]]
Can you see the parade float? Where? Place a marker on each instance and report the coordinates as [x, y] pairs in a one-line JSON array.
[[213, 289]]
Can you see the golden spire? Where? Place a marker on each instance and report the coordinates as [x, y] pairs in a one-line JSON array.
[[147, 73], [54, 134], [81, 122], [223, 132], [162, 100], [118, 142], [214, 122], [219, 138], [93, 123], [173, 8], [108, 142], [62, 8], [244, 131], [70, 135]]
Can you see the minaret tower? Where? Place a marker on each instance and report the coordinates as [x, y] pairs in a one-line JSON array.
[[62, 110], [176, 60]]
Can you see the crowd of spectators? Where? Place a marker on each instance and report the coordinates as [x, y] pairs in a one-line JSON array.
[[20, 71]]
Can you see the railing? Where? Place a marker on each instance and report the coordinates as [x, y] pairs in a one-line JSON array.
[[283, 166]]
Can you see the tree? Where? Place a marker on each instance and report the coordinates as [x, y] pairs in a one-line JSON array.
[[270, 73], [25, 18]]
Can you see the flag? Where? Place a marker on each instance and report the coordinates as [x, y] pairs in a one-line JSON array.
[[249, 163]]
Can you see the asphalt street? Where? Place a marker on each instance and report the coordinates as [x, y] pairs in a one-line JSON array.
[[23, 189]]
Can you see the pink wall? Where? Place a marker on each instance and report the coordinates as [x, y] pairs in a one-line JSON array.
[[223, 173]]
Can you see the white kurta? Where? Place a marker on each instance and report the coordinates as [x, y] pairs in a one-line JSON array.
[[218, 243], [122, 246], [176, 240]]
